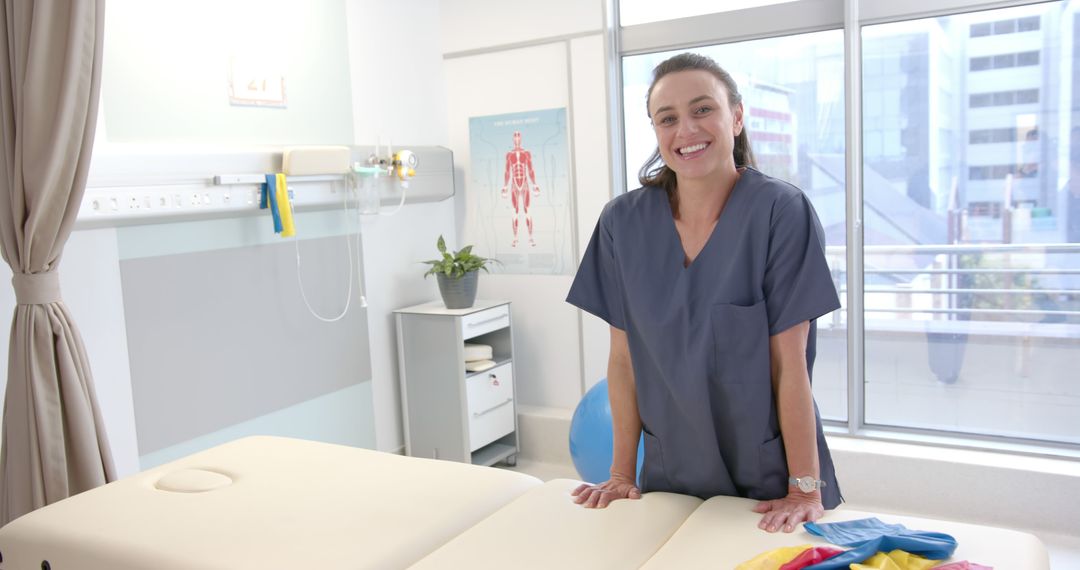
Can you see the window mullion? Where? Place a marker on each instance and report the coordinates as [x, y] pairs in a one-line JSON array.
[[616, 131], [856, 362]]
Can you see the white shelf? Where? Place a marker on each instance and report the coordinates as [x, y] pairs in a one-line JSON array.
[[450, 413], [492, 453], [499, 362], [438, 308]]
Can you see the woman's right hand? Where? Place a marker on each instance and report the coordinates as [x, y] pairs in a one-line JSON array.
[[600, 495]]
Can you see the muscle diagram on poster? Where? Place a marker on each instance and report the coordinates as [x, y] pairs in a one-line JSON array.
[[519, 174]]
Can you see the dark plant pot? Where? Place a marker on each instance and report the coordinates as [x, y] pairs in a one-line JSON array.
[[458, 293]]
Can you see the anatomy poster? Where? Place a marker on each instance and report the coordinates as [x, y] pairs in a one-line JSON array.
[[520, 191]]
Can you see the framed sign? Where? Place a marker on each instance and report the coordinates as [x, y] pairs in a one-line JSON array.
[[256, 82]]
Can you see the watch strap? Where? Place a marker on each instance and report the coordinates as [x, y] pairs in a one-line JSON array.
[[797, 482]]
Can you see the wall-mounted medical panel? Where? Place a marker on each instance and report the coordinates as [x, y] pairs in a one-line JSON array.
[[151, 184]]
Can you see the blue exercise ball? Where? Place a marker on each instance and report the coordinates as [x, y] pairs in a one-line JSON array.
[[591, 436]]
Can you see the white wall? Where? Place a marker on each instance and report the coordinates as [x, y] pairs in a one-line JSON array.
[[398, 85], [167, 66], [399, 97], [503, 58], [393, 278], [594, 183], [481, 24]]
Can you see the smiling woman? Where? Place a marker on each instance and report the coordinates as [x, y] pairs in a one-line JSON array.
[[712, 342], [712, 120], [918, 148], [792, 94]]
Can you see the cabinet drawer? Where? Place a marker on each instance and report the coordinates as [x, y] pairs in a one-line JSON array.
[[492, 319], [490, 396]]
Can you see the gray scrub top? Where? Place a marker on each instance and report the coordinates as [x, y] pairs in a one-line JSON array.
[[699, 335]]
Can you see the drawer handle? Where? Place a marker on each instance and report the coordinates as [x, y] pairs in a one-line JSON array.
[[486, 321], [492, 408]]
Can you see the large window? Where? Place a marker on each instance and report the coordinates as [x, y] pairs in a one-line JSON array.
[[972, 298], [970, 252]]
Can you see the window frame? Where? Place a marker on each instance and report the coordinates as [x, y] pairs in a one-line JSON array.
[[800, 17]]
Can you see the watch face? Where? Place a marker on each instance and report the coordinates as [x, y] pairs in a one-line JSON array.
[[806, 484]]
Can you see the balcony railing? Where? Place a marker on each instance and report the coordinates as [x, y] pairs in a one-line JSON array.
[[1018, 284]]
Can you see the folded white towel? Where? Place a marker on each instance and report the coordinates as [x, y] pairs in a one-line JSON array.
[[479, 365], [477, 352]]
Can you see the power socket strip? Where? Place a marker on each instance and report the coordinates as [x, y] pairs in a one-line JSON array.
[[103, 206]]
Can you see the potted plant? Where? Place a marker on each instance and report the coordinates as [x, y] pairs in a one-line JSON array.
[[457, 273]]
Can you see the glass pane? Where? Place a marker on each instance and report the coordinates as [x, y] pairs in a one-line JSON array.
[[793, 97], [644, 11], [972, 224]]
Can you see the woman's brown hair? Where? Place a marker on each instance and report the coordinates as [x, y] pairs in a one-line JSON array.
[[655, 172]]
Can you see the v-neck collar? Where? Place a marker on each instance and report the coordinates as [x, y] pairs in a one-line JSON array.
[[716, 227]]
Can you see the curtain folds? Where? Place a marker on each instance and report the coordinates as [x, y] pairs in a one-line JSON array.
[[53, 439]]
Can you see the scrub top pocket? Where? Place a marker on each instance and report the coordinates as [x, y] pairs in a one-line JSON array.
[[772, 482], [741, 337], [653, 476]]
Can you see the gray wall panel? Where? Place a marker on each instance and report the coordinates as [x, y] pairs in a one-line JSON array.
[[219, 337]]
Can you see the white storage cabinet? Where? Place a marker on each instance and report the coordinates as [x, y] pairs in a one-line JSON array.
[[450, 413]]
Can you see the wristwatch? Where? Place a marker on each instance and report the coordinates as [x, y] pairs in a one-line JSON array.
[[806, 484]]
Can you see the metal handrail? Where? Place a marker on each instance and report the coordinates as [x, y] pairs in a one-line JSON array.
[[945, 267], [964, 248], [979, 270], [967, 311], [872, 289]]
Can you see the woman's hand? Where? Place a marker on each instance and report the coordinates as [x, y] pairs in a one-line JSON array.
[[789, 511], [599, 496], [626, 431]]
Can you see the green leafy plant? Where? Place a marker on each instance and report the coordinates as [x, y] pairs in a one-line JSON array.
[[996, 282], [456, 264]]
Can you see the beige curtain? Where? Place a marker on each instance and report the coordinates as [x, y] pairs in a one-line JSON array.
[[50, 73]]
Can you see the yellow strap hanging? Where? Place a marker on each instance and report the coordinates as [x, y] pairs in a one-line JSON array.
[[288, 228]]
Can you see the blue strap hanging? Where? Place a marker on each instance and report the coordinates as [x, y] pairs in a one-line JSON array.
[[268, 197]]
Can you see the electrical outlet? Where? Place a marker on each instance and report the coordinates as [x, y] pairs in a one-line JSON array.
[[133, 204]]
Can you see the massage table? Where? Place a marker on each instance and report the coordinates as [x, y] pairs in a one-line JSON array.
[[270, 502], [262, 503]]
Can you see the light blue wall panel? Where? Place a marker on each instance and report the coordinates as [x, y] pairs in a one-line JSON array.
[[341, 417]]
